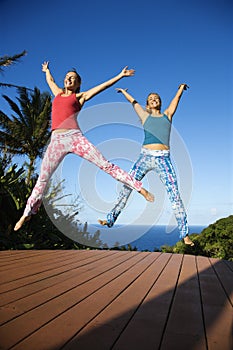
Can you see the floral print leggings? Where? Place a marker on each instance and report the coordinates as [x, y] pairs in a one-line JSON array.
[[160, 162], [61, 144]]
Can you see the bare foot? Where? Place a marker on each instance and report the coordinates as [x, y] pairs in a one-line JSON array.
[[21, 221], [188, 241], [102, 222], [147, 195]]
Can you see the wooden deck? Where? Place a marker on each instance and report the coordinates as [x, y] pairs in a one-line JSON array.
[[101, 300]]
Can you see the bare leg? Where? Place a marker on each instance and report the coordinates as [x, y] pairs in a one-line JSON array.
[[147, 195], [21, 221], [188, 241], [102, 222], [138, 171]]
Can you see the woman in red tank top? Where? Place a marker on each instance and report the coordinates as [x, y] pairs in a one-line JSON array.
[[68, 138]]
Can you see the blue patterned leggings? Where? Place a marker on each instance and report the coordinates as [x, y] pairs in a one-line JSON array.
[[160, 162]]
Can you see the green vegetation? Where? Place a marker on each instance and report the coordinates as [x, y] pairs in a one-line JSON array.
[[215, 241], [26, 132], [7, 61]]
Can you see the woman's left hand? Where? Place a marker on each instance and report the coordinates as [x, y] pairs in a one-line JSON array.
[[184, 86]]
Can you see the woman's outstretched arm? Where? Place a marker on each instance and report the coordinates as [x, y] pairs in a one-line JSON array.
[[137, 107], [170, 111], [87, 95], [50, 80]]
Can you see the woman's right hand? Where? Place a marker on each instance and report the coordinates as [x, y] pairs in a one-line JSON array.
[[45, 66]]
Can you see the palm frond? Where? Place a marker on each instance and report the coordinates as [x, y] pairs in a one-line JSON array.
[[7, 61], [13, 106], [26, 131], [14, 86]]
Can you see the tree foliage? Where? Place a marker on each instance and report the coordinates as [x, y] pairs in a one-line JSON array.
[[42, 231], [215, 241], [7, 61], [10, 193], [26, 131]]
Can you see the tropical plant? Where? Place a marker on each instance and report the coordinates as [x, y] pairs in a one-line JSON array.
[[214, 241], [26, 132], [217, 239], [6, 61], [43, 230], [12, 195]]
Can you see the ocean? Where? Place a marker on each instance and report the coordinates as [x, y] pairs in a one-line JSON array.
[[158, 236], [141, 237]]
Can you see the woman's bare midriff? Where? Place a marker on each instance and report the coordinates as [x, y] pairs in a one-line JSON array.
[[60, 130], [156, 146]]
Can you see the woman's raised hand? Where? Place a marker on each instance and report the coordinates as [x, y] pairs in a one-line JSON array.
[[45, 66], [127, 72], [121, 90], [184, 86]]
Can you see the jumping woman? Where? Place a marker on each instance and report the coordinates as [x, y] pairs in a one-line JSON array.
[[155, 155], [68, 138]]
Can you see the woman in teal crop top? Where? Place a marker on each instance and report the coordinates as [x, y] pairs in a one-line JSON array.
[[155, 155], [68, 138]]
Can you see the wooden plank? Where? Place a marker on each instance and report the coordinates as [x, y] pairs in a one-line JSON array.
[[24, 261], [29, 322], [76, 277], [103, 331], [34, 266], [72, 319], [114, 300], [225, 276], [10, 255], [229, 264], [185, 323], [53, 269], [217, 308], [56, 276], [147, 325]]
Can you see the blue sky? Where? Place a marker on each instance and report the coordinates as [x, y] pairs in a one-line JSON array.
[[168, 43]]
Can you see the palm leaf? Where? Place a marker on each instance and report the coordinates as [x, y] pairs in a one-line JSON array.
[[7, 61], [26, 131]]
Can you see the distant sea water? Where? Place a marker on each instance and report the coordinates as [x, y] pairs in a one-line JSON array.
[[142, 237], [158, 236]]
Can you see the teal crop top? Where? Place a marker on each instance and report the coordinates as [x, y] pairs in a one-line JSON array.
[[157, 130]]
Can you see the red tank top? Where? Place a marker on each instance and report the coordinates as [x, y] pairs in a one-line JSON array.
[[64, 112]]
